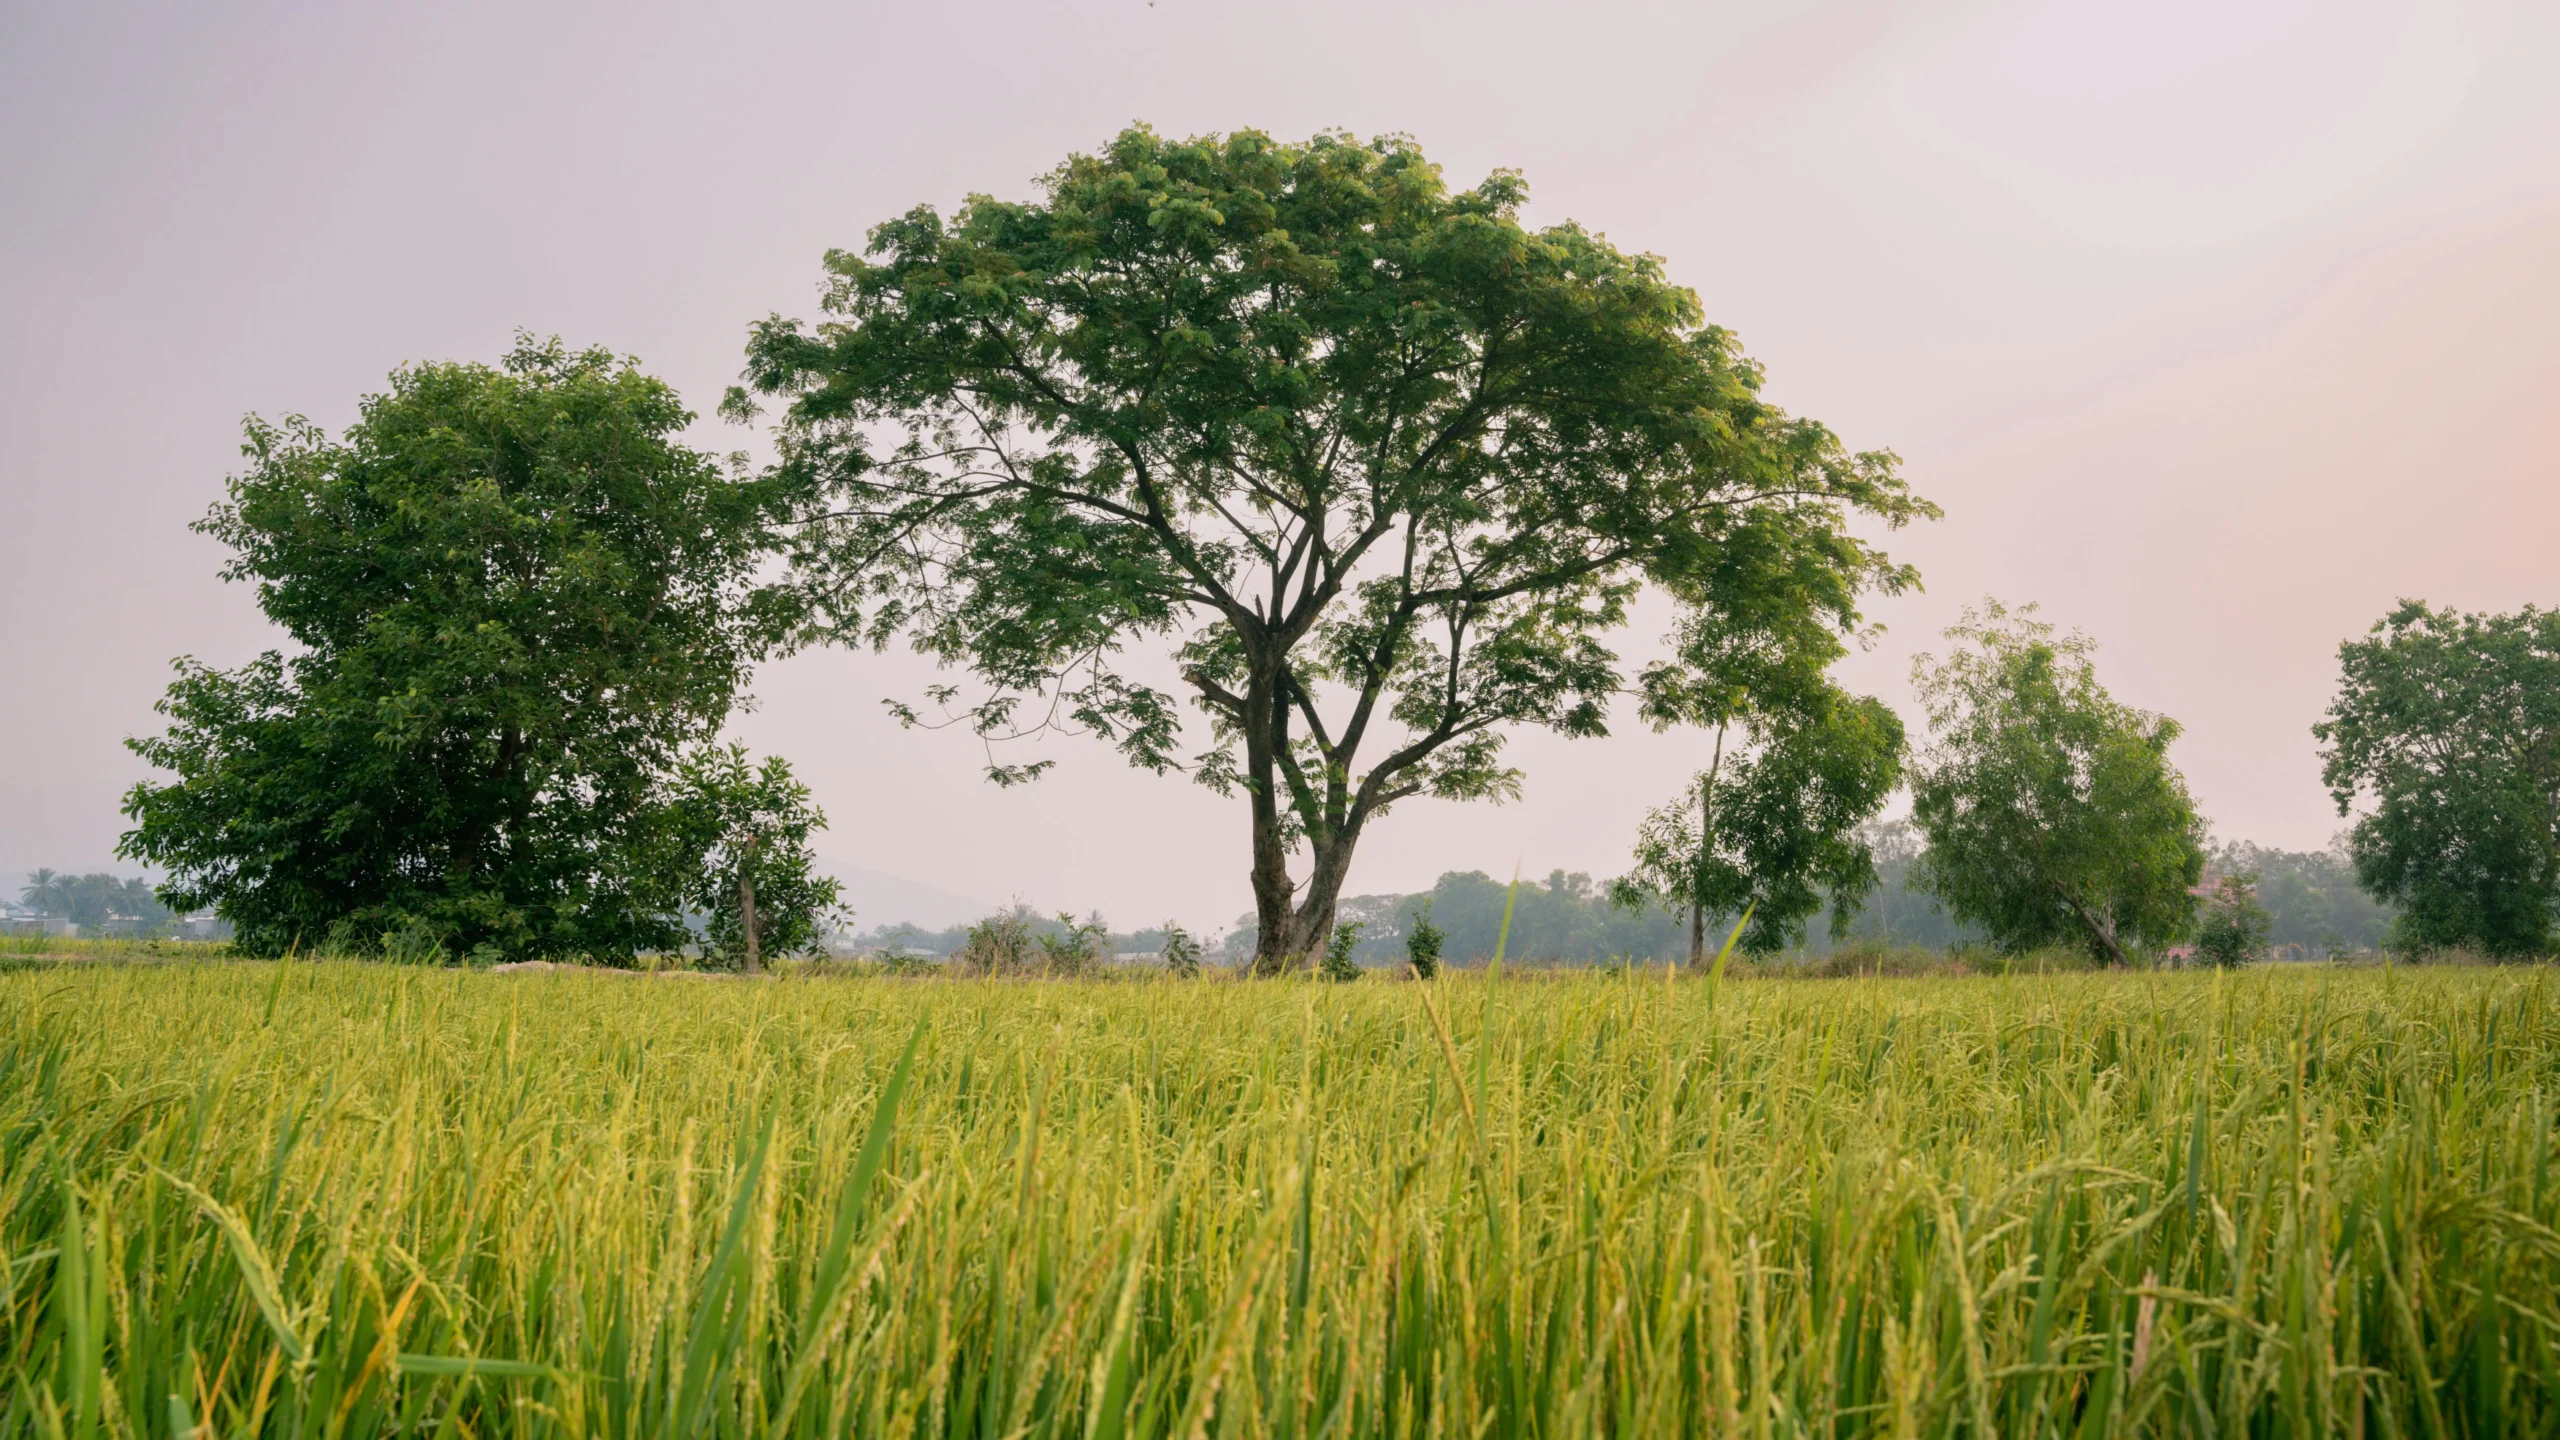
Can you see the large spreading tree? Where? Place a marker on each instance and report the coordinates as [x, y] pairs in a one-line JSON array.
[[2052, 813], [1378, 466], [516, 600], [2449, 725]]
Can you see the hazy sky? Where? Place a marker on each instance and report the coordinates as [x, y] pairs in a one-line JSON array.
[[2214, 326]]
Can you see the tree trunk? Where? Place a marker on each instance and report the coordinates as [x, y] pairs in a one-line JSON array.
[[2101, 931], [1309, 925], [1265, 733], [747, 906]]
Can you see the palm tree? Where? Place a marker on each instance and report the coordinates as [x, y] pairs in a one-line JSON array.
[[42, 889], [138, 903]]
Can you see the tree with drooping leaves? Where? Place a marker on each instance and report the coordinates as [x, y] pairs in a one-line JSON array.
[[1371, 467], [1776, 827], [2052, 813], [2448, 725], [1796, 766]]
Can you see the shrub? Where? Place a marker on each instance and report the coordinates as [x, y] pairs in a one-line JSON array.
[[999, 944], [1077, 947], [907, 962], [415, 943], [2233, 928], [1422, 946], [1338, 964], [1181, 952]]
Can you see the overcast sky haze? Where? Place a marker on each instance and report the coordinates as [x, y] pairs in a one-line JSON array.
[[2215, 327]]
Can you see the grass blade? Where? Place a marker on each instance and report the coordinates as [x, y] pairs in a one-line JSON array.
[[817, 1319]]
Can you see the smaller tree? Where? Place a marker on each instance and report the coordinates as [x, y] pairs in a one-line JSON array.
[[1777, 828], [740, 833], [2233, 928], [1076, 947], [1338, 964], [2052, 812], [1181, 952], [1422, 944]]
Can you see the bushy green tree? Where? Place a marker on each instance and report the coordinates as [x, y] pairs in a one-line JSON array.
[[1796, 768], [1378, 464], [2052, 813], [2232, 927], [2449, 725], [515, 600], [740, 833]]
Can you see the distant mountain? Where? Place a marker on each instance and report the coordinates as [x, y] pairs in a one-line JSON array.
[[879, 898]]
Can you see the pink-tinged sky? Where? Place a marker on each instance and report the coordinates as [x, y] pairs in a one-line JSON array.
[[2214, 326]]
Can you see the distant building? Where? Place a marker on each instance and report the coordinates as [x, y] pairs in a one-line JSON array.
[[20, 920], [203, 925]]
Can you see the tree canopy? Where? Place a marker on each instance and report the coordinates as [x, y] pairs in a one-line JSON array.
[[1368, 466], [2052, 812], [516, 599], [2449, 725]]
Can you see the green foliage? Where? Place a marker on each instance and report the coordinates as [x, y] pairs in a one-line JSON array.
[[1075, 947], [1181, 952], [1378, 464], [1338, 964], [1778, 828], [515, 600], [2273, 1204], [2450, 724], [2232, 928], [2052, 812], [732, 822], [1422, 944], [1001, 944], [414, 944]]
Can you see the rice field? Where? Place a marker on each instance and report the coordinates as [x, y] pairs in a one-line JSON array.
[[338, 1200]]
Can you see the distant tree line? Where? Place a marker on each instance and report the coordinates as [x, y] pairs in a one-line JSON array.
[[2311, 899], [97, 901]]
